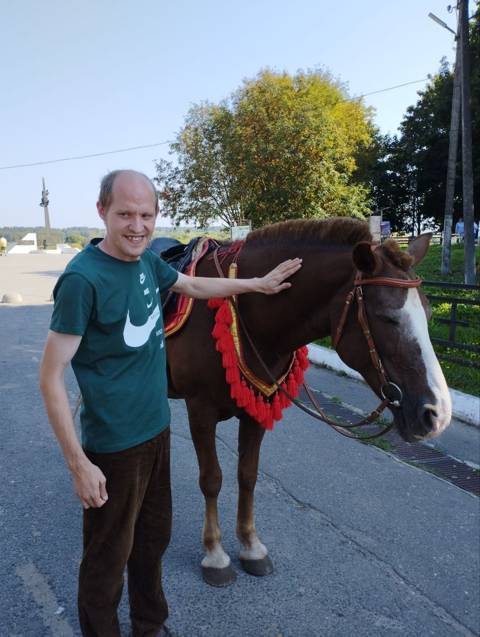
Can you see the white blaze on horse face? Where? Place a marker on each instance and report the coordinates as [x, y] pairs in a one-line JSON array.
[[414, 324], [216, 558]]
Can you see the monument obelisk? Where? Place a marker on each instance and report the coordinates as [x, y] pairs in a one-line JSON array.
[[44, 205]]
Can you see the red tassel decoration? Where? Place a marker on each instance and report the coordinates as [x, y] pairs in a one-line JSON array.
[[261, 412], [284, 400], [298, 373], [251, 407], [264, 412], [276, 409], [218, 331], [213, 304], [302, 357], [292, 386], [268, 420]]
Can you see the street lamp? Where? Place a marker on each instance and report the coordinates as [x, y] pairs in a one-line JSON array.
[[442, 23]]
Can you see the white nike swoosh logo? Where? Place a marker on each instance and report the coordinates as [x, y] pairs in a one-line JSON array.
[[138, 335]]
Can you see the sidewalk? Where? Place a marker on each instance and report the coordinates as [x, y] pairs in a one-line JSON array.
[[33, 276]]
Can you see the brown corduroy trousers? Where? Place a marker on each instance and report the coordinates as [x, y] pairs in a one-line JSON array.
[[132, 529]]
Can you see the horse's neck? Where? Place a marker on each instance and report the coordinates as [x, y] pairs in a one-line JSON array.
[[303, 313]]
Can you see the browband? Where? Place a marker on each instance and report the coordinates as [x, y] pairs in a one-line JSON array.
[[396, 283]]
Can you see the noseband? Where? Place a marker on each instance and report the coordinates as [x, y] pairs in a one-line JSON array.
[[388, 390]]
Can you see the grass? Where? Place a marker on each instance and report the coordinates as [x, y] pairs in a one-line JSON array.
[[380, 443], [461, 377]]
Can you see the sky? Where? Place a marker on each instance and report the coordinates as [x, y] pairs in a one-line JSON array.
[[92, 76]]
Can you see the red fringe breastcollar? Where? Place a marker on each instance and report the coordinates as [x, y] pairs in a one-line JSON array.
[[264, 403]]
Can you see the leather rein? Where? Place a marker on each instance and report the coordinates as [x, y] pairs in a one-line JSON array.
[[390, 392]]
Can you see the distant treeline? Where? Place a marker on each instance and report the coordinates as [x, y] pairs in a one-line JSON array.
[[80, 236]]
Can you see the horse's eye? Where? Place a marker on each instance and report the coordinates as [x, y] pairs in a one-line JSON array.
[[388, 319]]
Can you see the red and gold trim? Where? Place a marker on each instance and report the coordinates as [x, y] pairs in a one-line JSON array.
[[265, 403]]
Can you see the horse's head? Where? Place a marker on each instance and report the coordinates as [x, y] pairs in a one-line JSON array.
[[397, 319]]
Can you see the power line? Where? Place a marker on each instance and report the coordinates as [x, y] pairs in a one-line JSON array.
[[126, 150], [390, 88], [107, 152]]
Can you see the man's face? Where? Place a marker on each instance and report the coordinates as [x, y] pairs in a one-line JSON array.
[[130, 217]]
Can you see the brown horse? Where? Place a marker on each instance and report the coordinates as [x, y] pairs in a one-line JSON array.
[[334, 252]]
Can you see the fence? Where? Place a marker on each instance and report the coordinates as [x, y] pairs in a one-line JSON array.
[[437, 239], [452, 321]]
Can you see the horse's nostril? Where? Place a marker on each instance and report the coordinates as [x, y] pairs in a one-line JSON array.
[[429, 419]]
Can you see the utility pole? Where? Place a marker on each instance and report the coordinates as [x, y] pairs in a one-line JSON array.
[[467, 167], [452, 163], [460, 99], [452, 148], [44, 205]]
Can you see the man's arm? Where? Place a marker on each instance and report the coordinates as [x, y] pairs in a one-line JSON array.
[[90, 483], [205, 287]]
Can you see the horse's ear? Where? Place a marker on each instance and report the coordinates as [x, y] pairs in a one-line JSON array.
[[365, 259], [418, 248]]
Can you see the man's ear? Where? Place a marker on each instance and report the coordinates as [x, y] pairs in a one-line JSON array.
[[101, 211], [365, 258], [418, 248]]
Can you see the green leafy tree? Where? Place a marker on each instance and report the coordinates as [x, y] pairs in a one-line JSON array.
[[408, 178], [280, 147], [76, 239], [408, 173]]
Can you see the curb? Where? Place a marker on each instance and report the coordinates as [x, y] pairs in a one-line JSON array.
[[464, 406]]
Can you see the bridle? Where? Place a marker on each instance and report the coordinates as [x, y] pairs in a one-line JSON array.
[[390, 392]]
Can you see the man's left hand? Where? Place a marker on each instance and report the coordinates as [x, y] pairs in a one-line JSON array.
[[274, 281]]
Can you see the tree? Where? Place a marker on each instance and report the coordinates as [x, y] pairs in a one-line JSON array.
[[419, 155], [408, 175], [280, 147]]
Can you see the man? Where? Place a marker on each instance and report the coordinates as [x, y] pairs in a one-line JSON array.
[[107, 322], [460, 228]]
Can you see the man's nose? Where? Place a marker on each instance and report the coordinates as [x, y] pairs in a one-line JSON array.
[[136, 224]]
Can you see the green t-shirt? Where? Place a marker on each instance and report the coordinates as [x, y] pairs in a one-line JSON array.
[[120, 364]]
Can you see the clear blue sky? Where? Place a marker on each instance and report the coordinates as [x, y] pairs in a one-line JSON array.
[[92, 76]]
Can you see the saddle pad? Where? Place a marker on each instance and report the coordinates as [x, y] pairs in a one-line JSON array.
[[176, 307]]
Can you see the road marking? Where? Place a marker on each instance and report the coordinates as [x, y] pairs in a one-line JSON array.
[[38, 587]]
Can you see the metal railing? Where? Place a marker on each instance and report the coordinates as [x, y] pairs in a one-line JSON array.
[[453, 321]]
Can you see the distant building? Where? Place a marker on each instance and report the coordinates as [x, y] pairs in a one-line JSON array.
[[26, 245]]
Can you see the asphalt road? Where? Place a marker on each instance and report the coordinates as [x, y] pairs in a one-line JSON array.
[[362, 543]]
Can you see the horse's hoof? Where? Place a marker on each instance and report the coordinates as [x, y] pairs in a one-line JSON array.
[[258, 567], [219, 576]]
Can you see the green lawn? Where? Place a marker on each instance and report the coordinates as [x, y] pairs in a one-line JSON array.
[[458, 376]]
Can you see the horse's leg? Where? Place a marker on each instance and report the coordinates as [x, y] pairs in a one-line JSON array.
[[254, 555], [217, 569]]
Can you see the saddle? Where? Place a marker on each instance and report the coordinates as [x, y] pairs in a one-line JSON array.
[[183, 258]]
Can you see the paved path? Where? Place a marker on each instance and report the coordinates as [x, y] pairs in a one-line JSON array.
[[362, 544], [31, 275]]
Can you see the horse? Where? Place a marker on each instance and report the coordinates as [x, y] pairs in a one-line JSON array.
[[338, 255]]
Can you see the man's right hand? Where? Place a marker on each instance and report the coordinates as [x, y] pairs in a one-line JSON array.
[[90, 485]]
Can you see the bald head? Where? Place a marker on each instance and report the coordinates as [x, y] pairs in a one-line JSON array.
[[124, 179]]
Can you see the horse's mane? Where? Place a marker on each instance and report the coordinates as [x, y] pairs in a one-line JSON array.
[[338, 230], [397, 256]]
